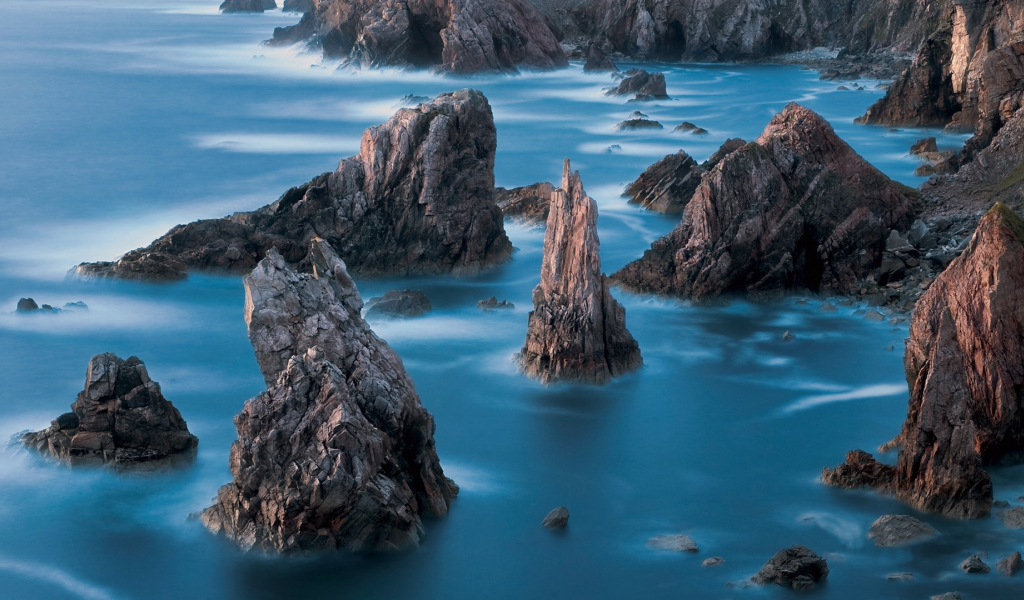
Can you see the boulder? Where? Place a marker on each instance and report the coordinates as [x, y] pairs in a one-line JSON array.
[[338, 453], [529, 203], [679, 542], [974, 564], [417, 199], [667, 185], [797, 567], [120, 418], [558, 518], [900, 530], [597, 60], [258, 6], [1010, 565], [399, 303], [577, 330], [638, 124], [641, 85], [797, 208], [27, 305], [924, 146], [1014, 517], [713, 561]]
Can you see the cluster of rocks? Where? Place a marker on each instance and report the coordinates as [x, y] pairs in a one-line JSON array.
[[667, 185], [399, 303], [120, 418], [493, 303], [934, 161], [643, 86], [28, 305]]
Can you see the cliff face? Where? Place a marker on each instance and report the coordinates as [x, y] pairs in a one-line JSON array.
[[964, 368], [797, 208], [338, 452], [453, 36], [418, 198], [577, 330]]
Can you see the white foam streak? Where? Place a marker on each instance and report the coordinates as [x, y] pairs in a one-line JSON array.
[[872, 391], [278, 143], [54, 576]]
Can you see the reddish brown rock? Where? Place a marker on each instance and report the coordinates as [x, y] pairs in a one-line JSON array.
[[797, 208], [577, 330], [529, 203], [418, 198], [667, 185]]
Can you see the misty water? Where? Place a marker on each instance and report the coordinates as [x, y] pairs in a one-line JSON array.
[[121, 119]]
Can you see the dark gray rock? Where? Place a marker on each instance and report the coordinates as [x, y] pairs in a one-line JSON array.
[[257, 6], [529, 203], [27, 305], [667, 185], [1010, 565], [493, 303], [900, 530], [597, 60], [714, 561], [642, 85], [974, 564], [558, 518], [797, 567], [1014, 518]]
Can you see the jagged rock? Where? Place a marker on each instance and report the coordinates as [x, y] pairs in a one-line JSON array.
[[120, 418], [924, 146], [974, 564], [675, 543], [577, 330], [788, 337], [685, 126], [900, 530], [453, 36], [411, 101], [1010, 565], [399, 303], [27, 305], [636, 124], [529, 203], [1014, 518], [642, 85], [338, 452], [558, 518], [258, 6], [797, 208], [493, 303], [597, 60], [667, 185], [962, 363], [418, 198], [797, 567]]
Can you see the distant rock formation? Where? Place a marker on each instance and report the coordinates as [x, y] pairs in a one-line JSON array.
[[529, 203], [230, 6], [643, 86], [577, 330], [667, 185], [418, 198], [453, 36], [399, 303], [597, 60], [963, 368], [338, 452], [797, 208], [120, 418]]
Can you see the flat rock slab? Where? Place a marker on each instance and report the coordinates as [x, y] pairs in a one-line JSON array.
[[676, 543], [900, 530]]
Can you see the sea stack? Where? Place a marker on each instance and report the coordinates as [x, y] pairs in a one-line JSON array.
[[120, 418], [963, 363], [338, 453], [577, 330]]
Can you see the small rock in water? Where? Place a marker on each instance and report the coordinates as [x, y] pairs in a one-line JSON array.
[[676, 543], [842, 88], [974, 564], [788, 337], [1014, 518], [1010, 565], [685, 126], [634, 124], [714, 561], [637, 115], [399, 303], [874, 315], [27, 305], [76, 306], [801, 302], [900, 577], [410, 100], [699, 131], [949, 596], [493, 303], [828, 307], [899, 530], [797, 567], [557, 518], [612, 149], [1000, 504]]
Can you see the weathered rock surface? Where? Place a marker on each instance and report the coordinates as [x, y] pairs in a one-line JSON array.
[[713, 561], [667, 185], [558, 518], [338, 452], [528, 203], [797, 567], [637, 124], [1014, 517], [900, 530], [493, 303], [453, 36], [259, 6], [399, 303], [679, 542], [974, 564], [418, 198], [577, 330], [1010, 565], [963, 367], [120, 418], [597, 60], [797, 208], [643, 86]]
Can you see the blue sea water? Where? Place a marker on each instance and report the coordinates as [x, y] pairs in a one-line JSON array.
[[120, 119]]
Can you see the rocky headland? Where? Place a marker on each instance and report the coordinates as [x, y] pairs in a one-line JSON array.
[[667, 185], [338, 453], [417, 199], [577, 330]]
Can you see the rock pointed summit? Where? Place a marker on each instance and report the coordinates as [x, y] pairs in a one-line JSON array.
[[577, 331]]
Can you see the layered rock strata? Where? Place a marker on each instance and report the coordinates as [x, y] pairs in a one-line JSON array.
[[529, 203], [797, 208], [120, 418], [418, 198], [667, 185], [577, 330], [338, 452]]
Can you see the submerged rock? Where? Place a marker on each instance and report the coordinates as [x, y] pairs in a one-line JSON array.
[[797, 208], [418, 198], [675, 543], [399, 303], [258, 6], [338, 452], [577, 330], [797, 567], [1010, 565], [529, 203], [597, 60], [558, 518], [667, 185], [120, 418], [900, 530], [641, 85]]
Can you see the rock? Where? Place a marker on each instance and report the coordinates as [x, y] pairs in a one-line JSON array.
[[685, 126], [900, 530], [452, 36], [411, 101], [636, 124], [788, 337], [231, 6], [699, 131], [679, 542], [529, 203], [338, 453], [558, 518], [1014, 518], [1000, 504], [974, 565], [612, 149], [492, 303], [642, 85], [79, 305], [577, 330], [399, 303], [1010, 565], [920, 236], [828, 307], [892, 269], [120, 418], [842, 88], [948, 596], [900, 577], [417, 199], [797, 567], [299, 6], [923, 146], [27, 305], [962, 363], [897, 243], [597, 60], [798, 208], [874, 315], [667, 185], [714, 561]]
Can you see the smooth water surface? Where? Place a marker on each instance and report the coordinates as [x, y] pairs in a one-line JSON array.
[[120, 119]]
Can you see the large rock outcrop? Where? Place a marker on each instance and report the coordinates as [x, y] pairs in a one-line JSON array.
[[667, 185], [453, 36], [120, 418], [418, 198], [338, 452], [964, 367], [797, 208], [577, 330]]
